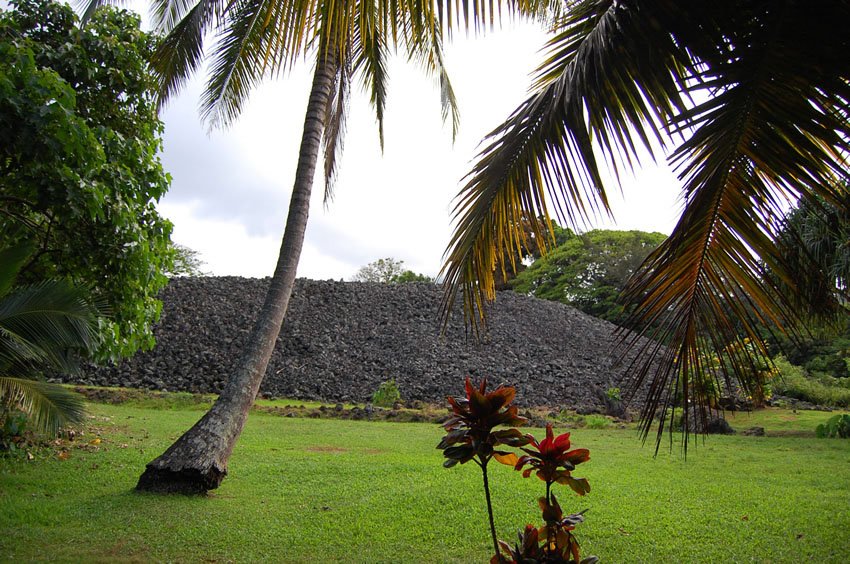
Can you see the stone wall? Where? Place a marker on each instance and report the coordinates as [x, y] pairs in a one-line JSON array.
[[340, 340]]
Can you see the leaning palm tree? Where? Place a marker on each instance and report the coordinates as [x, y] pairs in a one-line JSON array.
[[749, 101], [257, 39], [44, 326]]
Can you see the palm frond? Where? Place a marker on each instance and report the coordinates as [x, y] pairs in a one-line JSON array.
[[47, 406], [11, 261], [89, 7], [369, 61], [768, 133], [41, 324], [167, 14], [181, 52], [612, 73], [335, 122], [771, 126], [247, 49], [426, 49]]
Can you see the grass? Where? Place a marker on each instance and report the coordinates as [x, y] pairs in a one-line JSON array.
[[316, 490]]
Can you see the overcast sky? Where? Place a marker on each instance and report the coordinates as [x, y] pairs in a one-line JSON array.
[[230, 190]]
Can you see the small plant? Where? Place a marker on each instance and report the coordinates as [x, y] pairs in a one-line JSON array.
[[387, 394], [614, 394], [471, 437], [836, 427], [13, 424]]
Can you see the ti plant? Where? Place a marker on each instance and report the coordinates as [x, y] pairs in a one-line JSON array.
[[553, 462], [471, 437]]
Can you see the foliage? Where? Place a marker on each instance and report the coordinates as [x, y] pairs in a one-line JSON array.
[[793, 381], [410, 276], [824, 349], [727, 91], [589, 271], [471, 437], [79, 165], [614, 394], [514, 261], [837, 426], [186, 262], [387, 394], [818, 230], [388, 271], [43, 327]]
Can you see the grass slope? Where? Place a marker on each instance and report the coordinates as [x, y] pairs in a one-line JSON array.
[[304, 490]]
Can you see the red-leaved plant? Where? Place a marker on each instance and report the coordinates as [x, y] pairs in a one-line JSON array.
[[471, 437]]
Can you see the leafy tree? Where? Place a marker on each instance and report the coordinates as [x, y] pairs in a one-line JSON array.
[[382, 270], [44, 326], [79, 165], [750, 97], [589, 271], [187, 262], [819, 231], [388, 271], [255, 40]]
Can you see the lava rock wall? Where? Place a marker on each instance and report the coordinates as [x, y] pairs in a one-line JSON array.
[[340, 340]]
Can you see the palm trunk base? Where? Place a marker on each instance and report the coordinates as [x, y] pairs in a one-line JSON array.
[[188, 481]]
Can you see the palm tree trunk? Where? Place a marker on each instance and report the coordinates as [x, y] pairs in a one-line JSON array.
[[197, 461]]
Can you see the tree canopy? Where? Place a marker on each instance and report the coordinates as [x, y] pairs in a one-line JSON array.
[[79, 165], [388, 271], [589, 271]]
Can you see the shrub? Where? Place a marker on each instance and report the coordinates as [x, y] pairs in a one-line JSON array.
[[614, 394], [794, 382], [387, 394], [836, 427]]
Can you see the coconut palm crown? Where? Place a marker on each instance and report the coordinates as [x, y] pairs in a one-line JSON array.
[[255, 40], [748, 100]]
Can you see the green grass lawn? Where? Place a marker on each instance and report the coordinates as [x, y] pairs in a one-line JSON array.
[[307, 490]]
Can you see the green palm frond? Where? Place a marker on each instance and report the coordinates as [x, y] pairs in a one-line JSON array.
[[89, 7], [11, 262], [41, 324], [611, 74], [369, 59], [427, 52], [42, 327], [181, 52], [47, 406], [246, 51]]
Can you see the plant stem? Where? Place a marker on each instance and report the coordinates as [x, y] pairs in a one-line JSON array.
[[490, 508]]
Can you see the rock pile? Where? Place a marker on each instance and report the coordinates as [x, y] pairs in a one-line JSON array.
[[340, 340]]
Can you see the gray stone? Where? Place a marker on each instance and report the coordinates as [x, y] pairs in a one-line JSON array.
[[341, 340]]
